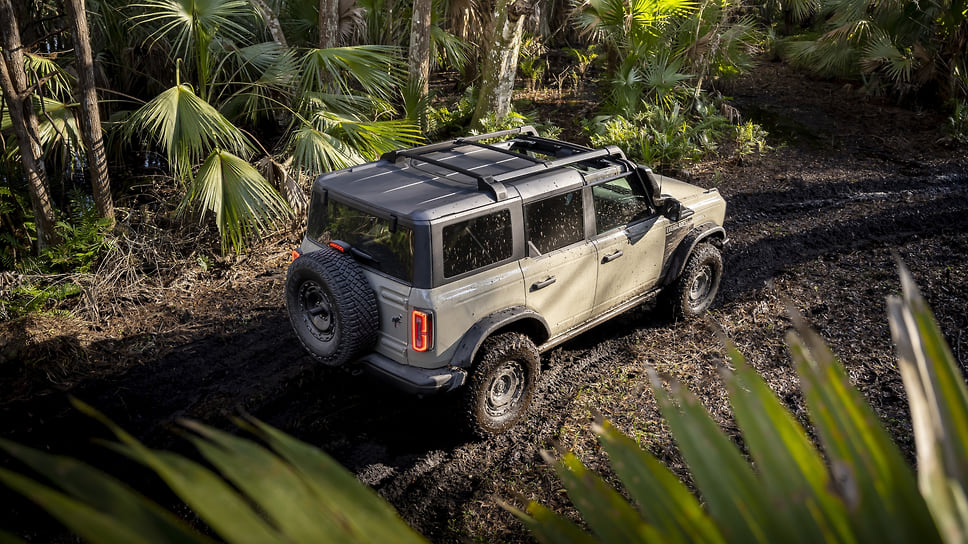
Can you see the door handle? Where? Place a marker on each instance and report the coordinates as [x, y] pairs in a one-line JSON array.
[[543, 283], [612, 257]]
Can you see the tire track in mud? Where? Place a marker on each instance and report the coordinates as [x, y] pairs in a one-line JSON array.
[[432, 487], [775, 229]]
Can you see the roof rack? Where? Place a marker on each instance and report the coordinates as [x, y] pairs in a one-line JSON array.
[[391, 156], [495, 184]]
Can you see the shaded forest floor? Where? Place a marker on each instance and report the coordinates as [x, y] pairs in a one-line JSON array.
[[815, 224]]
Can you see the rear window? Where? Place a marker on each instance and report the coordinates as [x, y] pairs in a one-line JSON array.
[[391, 249], [476, 243], [555, 222]]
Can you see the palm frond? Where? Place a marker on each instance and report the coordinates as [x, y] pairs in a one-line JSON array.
[[858, 490], [260, 78], [447, 49], [187, 128], [315, 151], [182, 21], [663, 79], [93, 504], [58, 84], [822, 57], [881, 54], [939, 408], [375, 68], [244, 203], [278, 490], [334, 141], [867, 468], [60, 132]]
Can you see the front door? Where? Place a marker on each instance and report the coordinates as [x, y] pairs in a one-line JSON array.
[[630, 242]]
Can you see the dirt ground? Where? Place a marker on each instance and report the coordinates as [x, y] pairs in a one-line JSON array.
[[815, 224]]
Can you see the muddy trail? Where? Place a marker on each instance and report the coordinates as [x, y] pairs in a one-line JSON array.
[[815, 222]]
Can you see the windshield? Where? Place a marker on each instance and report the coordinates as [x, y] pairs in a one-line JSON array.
[[387, 249]]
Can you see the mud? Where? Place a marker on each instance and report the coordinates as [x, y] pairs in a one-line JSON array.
[[815, 224]]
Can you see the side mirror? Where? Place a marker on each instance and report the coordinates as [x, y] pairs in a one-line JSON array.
[[673, 210]]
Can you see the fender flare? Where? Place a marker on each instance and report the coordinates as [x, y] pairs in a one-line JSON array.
[[679, 258], [475, 336]]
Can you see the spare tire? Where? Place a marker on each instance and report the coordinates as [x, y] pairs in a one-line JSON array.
[[331, 306]]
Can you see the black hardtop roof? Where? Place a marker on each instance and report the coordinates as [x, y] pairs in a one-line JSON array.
[[436, 180]]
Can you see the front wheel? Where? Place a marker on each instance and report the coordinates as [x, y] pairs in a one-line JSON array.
[[501, 384], [694, 291]]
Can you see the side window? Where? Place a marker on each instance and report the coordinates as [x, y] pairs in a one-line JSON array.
[[555, 222], [618, 202], [477, 242]]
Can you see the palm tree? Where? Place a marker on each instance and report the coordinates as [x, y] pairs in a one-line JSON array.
[[314, 92], [23, 120], [661, 52], [90, 113], [904, 45]]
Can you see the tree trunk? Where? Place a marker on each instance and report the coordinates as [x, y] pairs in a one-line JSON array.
[[272, 21], [501, 59], [13, 82], [97, 161], [328, 23], [420, 45]]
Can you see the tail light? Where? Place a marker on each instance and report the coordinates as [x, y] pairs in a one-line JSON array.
[[421, 330]]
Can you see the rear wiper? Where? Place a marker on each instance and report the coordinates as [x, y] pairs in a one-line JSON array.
[[363, 256]]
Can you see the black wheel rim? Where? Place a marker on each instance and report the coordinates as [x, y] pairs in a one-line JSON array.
[[317, 310], [505, 389], [701, 286]]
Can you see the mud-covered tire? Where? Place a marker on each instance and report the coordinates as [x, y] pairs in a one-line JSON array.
[[331, 306], [501, 383], [695, 289]]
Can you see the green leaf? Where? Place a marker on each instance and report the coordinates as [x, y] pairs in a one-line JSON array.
[[869, 472], [243, 201], [547, 526], [106, 495], [218, 504], [939, 408], [734, 498], [789, 467], [376, 68], [605, 511], [664, 501], [363, 513], [7, 538], [273, 485], [339, 141], [183, 22], [87, 522], [187, 128]]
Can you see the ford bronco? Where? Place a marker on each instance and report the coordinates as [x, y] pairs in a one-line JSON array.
[[455, 265]]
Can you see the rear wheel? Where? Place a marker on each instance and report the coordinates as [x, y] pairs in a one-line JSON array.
[[693, 293], [331, 306], [501, 384]]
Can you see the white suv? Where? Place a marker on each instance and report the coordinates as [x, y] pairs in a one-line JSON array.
[[454, 265]]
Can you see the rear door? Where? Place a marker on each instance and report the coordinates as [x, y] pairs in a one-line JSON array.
[[561, 267]]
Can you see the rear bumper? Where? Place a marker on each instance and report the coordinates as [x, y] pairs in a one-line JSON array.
[[418, 381]]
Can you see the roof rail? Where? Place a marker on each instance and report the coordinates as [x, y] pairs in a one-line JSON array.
[[607, 152], [484, 183], [391, 156]]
